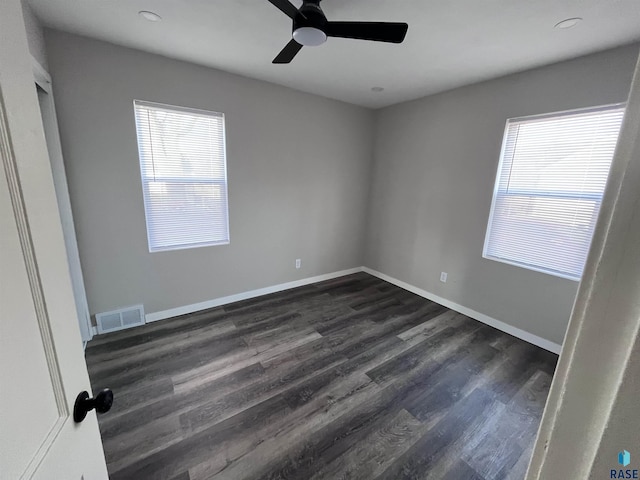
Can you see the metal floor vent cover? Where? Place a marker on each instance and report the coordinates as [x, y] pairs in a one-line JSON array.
[[120, 319]]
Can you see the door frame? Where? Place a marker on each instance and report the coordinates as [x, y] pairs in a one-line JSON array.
[[50, 123], [591, 410]]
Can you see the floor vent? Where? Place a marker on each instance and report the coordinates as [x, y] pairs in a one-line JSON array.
[[120, 319]]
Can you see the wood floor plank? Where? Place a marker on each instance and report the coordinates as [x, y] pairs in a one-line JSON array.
[[152, 331], [126, 449], [151, 349], [370, 457], [445, 347], [428, 328], [416, 462], [451, 461], [237, 359], [133, 398], [292, 432], [504, 438], [335, 439], [462, 471], [254, 393], [347, 378], [196, 448], [448, 384], [506, 379], [142, 415], [131, 376], [519, 470], [494, 457], [181, 476]]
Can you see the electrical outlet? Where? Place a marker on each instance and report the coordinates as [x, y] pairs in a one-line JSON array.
[[443, 277], [298, 263]]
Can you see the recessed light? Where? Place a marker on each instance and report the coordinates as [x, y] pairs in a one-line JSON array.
[[152, 17], [568, 23], [377, 89]]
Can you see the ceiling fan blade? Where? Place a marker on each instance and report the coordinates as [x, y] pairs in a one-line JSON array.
[[286, 7], [375, 31], [288, 52]]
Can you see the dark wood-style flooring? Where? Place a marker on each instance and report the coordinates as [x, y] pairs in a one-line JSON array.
[[352, 378]]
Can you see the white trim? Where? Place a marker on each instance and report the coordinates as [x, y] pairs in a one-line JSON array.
[[481, 317], [178, 108], [49, 120], [511, 330], [196, 307], [572, 111], [533, 268], [40, 75]]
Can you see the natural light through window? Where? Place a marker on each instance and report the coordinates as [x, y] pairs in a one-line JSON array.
[[184, 176], [551, 178]]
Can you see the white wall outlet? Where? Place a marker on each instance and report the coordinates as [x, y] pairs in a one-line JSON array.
[[298, 263], [443, 277]]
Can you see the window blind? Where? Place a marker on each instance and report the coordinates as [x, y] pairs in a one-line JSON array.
[[550, 182], [184, 178]]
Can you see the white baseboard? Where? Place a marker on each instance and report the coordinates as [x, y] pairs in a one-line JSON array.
[[196, 307], [511, 330], [93, 331]]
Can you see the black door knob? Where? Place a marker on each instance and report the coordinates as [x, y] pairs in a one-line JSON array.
[[101, 402]]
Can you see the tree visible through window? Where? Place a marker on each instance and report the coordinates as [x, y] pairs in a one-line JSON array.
[[184, 178], [551, 179]]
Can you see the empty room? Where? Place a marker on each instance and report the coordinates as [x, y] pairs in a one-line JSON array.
[[308, 239]]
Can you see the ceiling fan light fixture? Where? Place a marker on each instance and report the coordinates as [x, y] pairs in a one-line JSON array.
[[568, 23], [309, 36], [150, 16]]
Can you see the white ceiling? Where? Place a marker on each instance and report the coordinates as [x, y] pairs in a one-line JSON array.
[[450, 42]]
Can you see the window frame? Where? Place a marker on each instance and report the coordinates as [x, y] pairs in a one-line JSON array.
[[496, 187], [178, 180]]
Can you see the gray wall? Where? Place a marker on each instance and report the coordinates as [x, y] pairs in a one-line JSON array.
[[297, 166], [435, 163], [300, 172]]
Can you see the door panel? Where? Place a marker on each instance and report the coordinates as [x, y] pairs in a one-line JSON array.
[[20, 333], [42, 366]]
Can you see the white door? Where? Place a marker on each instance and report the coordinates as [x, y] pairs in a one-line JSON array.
[[42, 367]]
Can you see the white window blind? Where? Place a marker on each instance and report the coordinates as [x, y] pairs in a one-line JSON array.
[[552, 175], [184, 176]]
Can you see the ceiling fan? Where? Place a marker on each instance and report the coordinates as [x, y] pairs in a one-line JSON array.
[[311, 28]]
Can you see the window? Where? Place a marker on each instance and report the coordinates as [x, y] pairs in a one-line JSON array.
[[552, 174], [184, 176]]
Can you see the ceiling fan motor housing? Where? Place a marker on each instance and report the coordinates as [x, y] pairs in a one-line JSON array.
[[309, 25]]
